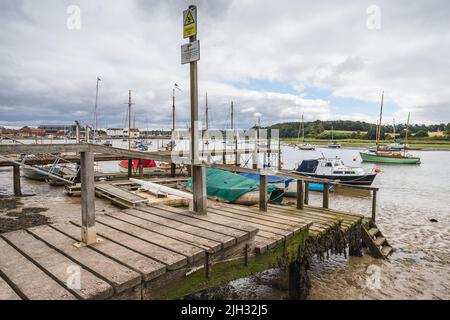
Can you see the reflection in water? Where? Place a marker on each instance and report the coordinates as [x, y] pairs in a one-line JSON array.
[[409, 197]]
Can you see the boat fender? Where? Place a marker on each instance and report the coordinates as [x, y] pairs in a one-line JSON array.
[[377, 170]]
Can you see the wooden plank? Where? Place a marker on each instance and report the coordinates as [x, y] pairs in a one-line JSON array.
[[117, 275], [191, 252], [255, 222], [209, 245], [91, 287], [27, 278], [204, 222], [252, 231], [119, 193], [172, 260], [148, 268], [268, 217], [6, 292], [226, 241]]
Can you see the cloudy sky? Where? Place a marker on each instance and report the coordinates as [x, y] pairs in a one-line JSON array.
[[280, 59]]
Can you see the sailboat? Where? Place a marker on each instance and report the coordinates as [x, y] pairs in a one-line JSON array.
[[333, 144], [381, 155], [304, 145]]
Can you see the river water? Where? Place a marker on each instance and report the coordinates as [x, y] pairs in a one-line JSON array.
[[410, 197]]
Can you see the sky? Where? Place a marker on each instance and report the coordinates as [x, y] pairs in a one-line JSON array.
[[275, 60]]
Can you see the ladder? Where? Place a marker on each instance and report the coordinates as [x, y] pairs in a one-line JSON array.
[[375, 241]]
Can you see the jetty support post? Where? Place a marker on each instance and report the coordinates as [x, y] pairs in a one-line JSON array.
[[141, 169], [326, 194], [263, 184], [255, 152], [16, 180], [173, 167], [130, 166], [199, 189], [306, 192], [300, 194], [88, 233], [374, 204]]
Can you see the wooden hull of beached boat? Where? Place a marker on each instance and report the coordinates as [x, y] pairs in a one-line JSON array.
[[367, 157]]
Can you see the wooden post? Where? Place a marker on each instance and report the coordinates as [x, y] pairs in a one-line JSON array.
[[141, 169], [130, 167], [263, 183], [173, 168], [294, 280], [88, 233], [306, 193], [16, 180], [279, 153], [77, 133], [255, 153], [374, 204], [326, 189], [300, 194], [199, 189]]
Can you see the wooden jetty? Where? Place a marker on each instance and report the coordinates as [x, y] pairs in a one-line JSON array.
[[156, 252], [159, 251]]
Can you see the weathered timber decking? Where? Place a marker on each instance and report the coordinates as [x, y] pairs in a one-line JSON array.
[[147, 248]]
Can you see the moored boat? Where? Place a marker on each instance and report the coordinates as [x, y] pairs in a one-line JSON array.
[[225, 186], [334, 169], [388, 157], [289, 185]]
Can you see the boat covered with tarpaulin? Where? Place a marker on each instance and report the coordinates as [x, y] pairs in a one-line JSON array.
[[234, 188]]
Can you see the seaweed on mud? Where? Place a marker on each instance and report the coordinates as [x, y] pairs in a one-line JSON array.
[[28, 217], [9, 203]]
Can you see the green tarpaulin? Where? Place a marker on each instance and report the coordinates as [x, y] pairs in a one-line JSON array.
[[230, 186]]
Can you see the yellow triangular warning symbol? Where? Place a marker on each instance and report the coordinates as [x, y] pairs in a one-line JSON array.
[[189, 19]]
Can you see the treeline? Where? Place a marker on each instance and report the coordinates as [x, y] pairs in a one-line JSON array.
[[358, 129]]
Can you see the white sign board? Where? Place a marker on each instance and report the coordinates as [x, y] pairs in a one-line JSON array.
[[190, 52], [190, 22]]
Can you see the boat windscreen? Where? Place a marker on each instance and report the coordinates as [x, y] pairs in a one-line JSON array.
[[308, 166]]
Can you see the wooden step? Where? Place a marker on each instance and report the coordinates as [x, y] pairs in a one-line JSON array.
[[373, 232], [387, 250], [379, 241]]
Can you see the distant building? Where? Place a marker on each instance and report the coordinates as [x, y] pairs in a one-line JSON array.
[[56, 130], [122, 133], [134, 132], [114, 132]]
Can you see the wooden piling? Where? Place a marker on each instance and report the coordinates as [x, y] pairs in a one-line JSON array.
[[88, 233], [306, 192], [199, 189], [326, 193], [300, 194], [173, 168], [141, 169], [374, 204], [263, 183], [16, 180], [130, 167]]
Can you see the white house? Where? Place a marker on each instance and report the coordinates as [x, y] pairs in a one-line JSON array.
[[134, 132], [115, 132]]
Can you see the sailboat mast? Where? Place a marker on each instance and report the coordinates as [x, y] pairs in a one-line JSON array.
[[303, 130], [206, 113], [379, 124], [232, 116], [129, 119], [393, 124], [406, 135]]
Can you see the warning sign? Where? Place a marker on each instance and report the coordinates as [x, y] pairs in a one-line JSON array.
[[190, 22]]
